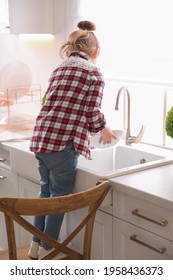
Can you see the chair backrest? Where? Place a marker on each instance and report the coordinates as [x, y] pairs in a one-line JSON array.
[[15, 208]]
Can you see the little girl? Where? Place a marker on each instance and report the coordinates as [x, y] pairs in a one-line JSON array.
[[70, 113]]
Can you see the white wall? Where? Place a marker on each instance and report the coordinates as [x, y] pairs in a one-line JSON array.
[[135, 39], [39, 57], [136, 42], [135, 36]]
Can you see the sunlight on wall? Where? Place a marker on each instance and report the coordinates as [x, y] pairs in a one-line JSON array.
[[132, 28], [36, 37], [135, 36], [136, 44]]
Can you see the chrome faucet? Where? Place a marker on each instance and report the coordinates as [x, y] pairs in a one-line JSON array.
[[128, 138]]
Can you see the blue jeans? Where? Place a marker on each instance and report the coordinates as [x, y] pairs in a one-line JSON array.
[[57, 171]]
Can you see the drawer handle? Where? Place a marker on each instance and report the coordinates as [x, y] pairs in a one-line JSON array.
[[2, 159], [160, 250], [2, 177], [160, 223]]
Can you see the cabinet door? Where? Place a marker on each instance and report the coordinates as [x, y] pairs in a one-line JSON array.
[[144, 214], [102, 234], [8, 188], [4, 22], [27, 188], [152, 247], [31, 16]]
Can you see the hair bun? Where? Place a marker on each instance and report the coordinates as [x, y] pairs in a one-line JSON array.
[[86, 25]]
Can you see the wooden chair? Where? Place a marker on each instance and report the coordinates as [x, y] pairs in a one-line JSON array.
[[15, 208]]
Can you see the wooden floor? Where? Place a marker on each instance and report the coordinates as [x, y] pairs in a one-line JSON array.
[[22, 254]]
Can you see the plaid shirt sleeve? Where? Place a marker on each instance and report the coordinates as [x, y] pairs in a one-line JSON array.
[[95, 118]]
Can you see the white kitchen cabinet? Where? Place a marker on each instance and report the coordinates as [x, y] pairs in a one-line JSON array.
[[8, 187], [12, 185], [28, 189], [102, 234], [4, 15], [151, 247], [31, 16], [72, 16], [141, 229], [5, 161], [144, 214]]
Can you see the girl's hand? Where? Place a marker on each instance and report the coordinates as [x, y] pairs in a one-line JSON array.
[[107, 135]]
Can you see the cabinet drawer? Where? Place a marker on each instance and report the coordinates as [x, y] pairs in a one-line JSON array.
[[143, 214], [24, 163], [8, 188], [133, 243], [4, 158], [8, 183]]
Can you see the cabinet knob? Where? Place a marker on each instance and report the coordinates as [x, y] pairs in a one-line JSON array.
[[160, 223], [2, 159]]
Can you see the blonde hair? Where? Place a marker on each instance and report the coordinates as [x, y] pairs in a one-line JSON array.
[[82, 39]]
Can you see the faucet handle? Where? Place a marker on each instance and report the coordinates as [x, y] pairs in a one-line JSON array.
[[139, 136], [134, 139]]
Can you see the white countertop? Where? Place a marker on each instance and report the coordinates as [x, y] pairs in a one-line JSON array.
[[154, 185], [6, 136]]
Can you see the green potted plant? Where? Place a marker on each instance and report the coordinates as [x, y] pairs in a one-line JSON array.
[[169, 123]]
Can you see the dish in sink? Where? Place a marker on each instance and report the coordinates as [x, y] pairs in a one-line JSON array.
[[94, 141]]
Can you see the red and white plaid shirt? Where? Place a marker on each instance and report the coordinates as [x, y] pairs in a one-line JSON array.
[[72, 107]]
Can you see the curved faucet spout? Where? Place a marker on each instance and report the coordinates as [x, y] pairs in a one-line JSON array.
[[125, 90], [129, 139]]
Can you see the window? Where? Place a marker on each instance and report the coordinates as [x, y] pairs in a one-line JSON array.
[[136, 46], [150, 102]]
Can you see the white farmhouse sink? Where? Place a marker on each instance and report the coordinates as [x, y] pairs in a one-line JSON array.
[[118, 161], [105, 163], [123, 159]]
